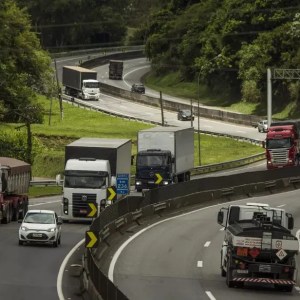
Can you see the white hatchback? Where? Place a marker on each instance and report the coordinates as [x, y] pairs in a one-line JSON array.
[[40, 226]]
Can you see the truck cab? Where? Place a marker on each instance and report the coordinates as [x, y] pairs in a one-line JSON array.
[[282, 144], [85, 181], [153, 168], [90, 89]]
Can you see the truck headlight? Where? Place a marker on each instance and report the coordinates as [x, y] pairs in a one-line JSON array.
[[66, 206], [138, 183], [165, 182]]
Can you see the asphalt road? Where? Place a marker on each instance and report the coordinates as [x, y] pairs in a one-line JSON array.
[[33, 272], [179, 258]]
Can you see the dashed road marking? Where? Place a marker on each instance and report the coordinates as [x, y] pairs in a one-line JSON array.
[[199, 263], [281, 205], [207, 244], [210, 295]]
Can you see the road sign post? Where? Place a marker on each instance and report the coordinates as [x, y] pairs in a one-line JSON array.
[[122, 184]]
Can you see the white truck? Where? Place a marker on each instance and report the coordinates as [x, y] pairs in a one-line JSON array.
[[91, 167], [81, 83], [165, 155], [258, 246]]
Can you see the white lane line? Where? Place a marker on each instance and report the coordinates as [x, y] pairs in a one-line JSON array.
[[210, 295], [62, 270], [207, 244], [199, 263], [126, 74], [281, 205]]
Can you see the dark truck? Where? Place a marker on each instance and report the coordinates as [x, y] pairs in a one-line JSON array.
[[258, 247], [81, 83], [115, 69], [165, 156]]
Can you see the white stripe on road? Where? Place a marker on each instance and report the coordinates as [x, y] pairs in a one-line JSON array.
[[199, 263], [43, 203], [281, 205], [210, 295], [207, 244]]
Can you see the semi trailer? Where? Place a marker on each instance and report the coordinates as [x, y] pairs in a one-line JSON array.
[[115, 69], [15, 178], [258, 246]]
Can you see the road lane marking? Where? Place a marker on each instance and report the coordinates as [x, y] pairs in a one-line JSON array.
[[199, 263], [210, 295], [281, 205], [207, 244]]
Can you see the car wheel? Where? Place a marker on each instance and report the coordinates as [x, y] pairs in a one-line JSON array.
[[59, 241], [21, 243], [55, 244]]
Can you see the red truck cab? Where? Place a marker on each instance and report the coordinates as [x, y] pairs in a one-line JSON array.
[[282, 145]]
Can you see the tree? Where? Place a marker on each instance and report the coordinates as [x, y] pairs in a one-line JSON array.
[[25, 69]]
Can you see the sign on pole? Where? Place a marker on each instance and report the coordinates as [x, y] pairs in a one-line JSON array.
[[123, 184]]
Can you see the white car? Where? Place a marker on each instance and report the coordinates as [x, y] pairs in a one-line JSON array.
[[40, 226], [262, 126]]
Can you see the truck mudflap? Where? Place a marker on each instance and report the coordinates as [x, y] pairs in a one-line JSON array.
[[264, 280]]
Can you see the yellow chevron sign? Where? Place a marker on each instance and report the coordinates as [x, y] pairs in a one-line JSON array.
[[91, 240], [93, 210], [111, 193], [158, 178]]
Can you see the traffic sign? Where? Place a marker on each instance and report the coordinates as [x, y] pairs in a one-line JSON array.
[[158, 178], [91, 240], [123, 184], [111, 193], [92, 210]]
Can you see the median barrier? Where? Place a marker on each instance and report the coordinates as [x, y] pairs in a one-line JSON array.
[[160, 203]]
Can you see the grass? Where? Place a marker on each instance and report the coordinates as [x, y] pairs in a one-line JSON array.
[[56, 132], [173, 85]]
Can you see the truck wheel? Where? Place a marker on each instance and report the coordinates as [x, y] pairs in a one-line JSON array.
[[229, 282], [15, 215], [223, 272]]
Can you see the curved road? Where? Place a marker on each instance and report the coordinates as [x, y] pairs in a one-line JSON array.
[[179, 258]]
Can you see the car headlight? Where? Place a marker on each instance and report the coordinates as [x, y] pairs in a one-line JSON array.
[[24, 228], [51, 229]]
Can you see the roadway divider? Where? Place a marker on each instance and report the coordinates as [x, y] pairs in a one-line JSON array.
[[160, 203]]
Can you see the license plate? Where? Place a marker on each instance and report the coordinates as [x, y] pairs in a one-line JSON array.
[[242, 271], [242, 251], [37, 235]]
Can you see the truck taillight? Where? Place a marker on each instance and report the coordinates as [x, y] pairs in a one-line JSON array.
[[286, 269], [254, 252]]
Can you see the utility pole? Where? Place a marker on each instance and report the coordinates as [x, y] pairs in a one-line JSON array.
[[58, 91], [162, 109]]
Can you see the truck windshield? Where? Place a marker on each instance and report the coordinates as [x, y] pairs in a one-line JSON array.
[[279, 143], [152, 160], [88, 182], [92, 85]]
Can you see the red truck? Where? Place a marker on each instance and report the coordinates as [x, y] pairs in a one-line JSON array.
[[14, 185], [282, 144]]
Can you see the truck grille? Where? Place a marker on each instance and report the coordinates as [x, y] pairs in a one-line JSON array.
[[279, 156], [80, 204]]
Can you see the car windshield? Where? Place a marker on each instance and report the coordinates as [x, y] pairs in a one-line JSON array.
[[91, 182], [92, 85], [279, 143], [39, 218], [152, 160], [186, 112]]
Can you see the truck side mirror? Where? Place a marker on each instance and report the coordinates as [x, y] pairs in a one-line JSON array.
[[113, 181], [220, 217], [57, 179], [290, 221]]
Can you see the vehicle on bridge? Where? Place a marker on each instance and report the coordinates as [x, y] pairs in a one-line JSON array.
[[258, 246], [282, 144], [15, 178]]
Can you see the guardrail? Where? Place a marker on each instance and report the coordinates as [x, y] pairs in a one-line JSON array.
[[160, 202]]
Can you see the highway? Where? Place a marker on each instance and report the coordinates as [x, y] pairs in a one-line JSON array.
[[160, 264], [179, 258]]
